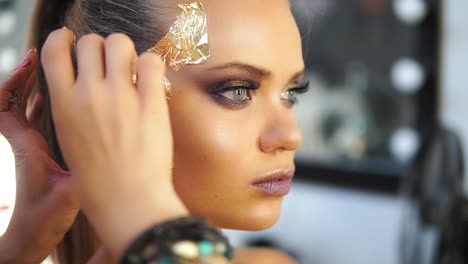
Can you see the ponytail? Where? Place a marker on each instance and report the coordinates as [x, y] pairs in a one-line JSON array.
[[80, 242], [48, 15]]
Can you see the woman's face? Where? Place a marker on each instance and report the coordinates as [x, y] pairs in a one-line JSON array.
[[232, 117]]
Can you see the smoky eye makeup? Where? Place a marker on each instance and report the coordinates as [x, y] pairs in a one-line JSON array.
[[238, 93], [233, 93], [291, 94]]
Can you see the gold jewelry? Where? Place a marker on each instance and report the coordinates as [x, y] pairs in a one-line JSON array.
[[15, 99], [134, 79], [166, 82]]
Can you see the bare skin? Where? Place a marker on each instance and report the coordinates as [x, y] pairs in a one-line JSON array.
[[220, 145], [46, 205], [220, 148]]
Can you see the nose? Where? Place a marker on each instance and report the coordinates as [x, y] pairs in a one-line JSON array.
[[282, 133]]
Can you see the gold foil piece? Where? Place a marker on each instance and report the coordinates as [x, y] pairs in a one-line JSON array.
[[186, 43], [168, 88]]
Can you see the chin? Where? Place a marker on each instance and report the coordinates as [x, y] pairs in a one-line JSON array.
[[255, 220]]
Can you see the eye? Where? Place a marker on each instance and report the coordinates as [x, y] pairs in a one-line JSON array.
[[291, 94], [234, 94], [237, 94]]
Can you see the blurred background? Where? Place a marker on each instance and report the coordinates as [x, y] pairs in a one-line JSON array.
[[380, 172]]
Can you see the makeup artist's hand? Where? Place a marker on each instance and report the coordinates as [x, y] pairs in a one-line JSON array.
[[45, 205], [115, 136]]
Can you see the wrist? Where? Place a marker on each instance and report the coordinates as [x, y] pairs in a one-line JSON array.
[[8, 250], [125, 218], [181, 240]]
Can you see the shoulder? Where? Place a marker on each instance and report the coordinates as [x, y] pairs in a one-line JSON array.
[[262, 255]]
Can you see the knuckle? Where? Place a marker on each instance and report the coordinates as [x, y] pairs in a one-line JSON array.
[[119, 40], [150, 59], [88, 39], [51, 46]]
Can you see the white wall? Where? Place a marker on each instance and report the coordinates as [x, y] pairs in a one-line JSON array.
[[327, 225]]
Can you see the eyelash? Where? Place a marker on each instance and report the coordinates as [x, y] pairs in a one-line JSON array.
[[249, 87], [300, 89], [231, 86]]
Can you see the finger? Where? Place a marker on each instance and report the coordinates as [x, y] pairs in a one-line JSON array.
[[18, 79], [13, 123], [29, 86], [90, 58], [35, 113], [151, 70], [27, 92], [57, 63], [120, 58]]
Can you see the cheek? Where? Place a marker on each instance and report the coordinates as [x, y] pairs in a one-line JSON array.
[[216, 157], [210, 167]]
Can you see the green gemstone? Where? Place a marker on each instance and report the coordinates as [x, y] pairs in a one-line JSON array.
[[229, 252], [206, 248], [165, 260]]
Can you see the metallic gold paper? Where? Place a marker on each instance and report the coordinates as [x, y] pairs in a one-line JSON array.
[[168, 88], [187, 40]]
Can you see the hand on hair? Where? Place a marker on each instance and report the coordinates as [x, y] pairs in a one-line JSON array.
[[114, 135], [45, 205]]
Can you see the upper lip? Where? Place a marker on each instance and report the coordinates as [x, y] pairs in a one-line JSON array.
[[279, 175]]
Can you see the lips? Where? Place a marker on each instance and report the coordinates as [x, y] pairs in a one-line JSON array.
[[275, 184]]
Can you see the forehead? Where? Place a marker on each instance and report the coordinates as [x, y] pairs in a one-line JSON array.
[[261, 33]]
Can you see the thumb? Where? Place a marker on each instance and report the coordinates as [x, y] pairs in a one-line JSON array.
[[61, 205]]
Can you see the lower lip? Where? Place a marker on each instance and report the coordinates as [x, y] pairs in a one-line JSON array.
[[274, 188]]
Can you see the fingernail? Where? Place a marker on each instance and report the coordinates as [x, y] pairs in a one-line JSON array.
[[74, 36], [26, 62], [37, 96]]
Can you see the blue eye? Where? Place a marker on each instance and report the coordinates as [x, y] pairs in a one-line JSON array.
[[237, 94], [234, 93], [291, 94]]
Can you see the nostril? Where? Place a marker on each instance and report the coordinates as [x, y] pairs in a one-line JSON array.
[[281, 138]]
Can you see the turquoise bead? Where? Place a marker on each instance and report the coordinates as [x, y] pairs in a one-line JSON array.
[[206, 248], [165, 260]]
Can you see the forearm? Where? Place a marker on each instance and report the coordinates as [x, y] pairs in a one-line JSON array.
[[15, 251], [118, 225], [8, 253], [102, 256]]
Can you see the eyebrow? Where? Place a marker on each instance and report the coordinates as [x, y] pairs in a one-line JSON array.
[[262, 73]]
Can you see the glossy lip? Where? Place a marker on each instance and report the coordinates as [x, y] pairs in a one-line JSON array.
[[275, 184]]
